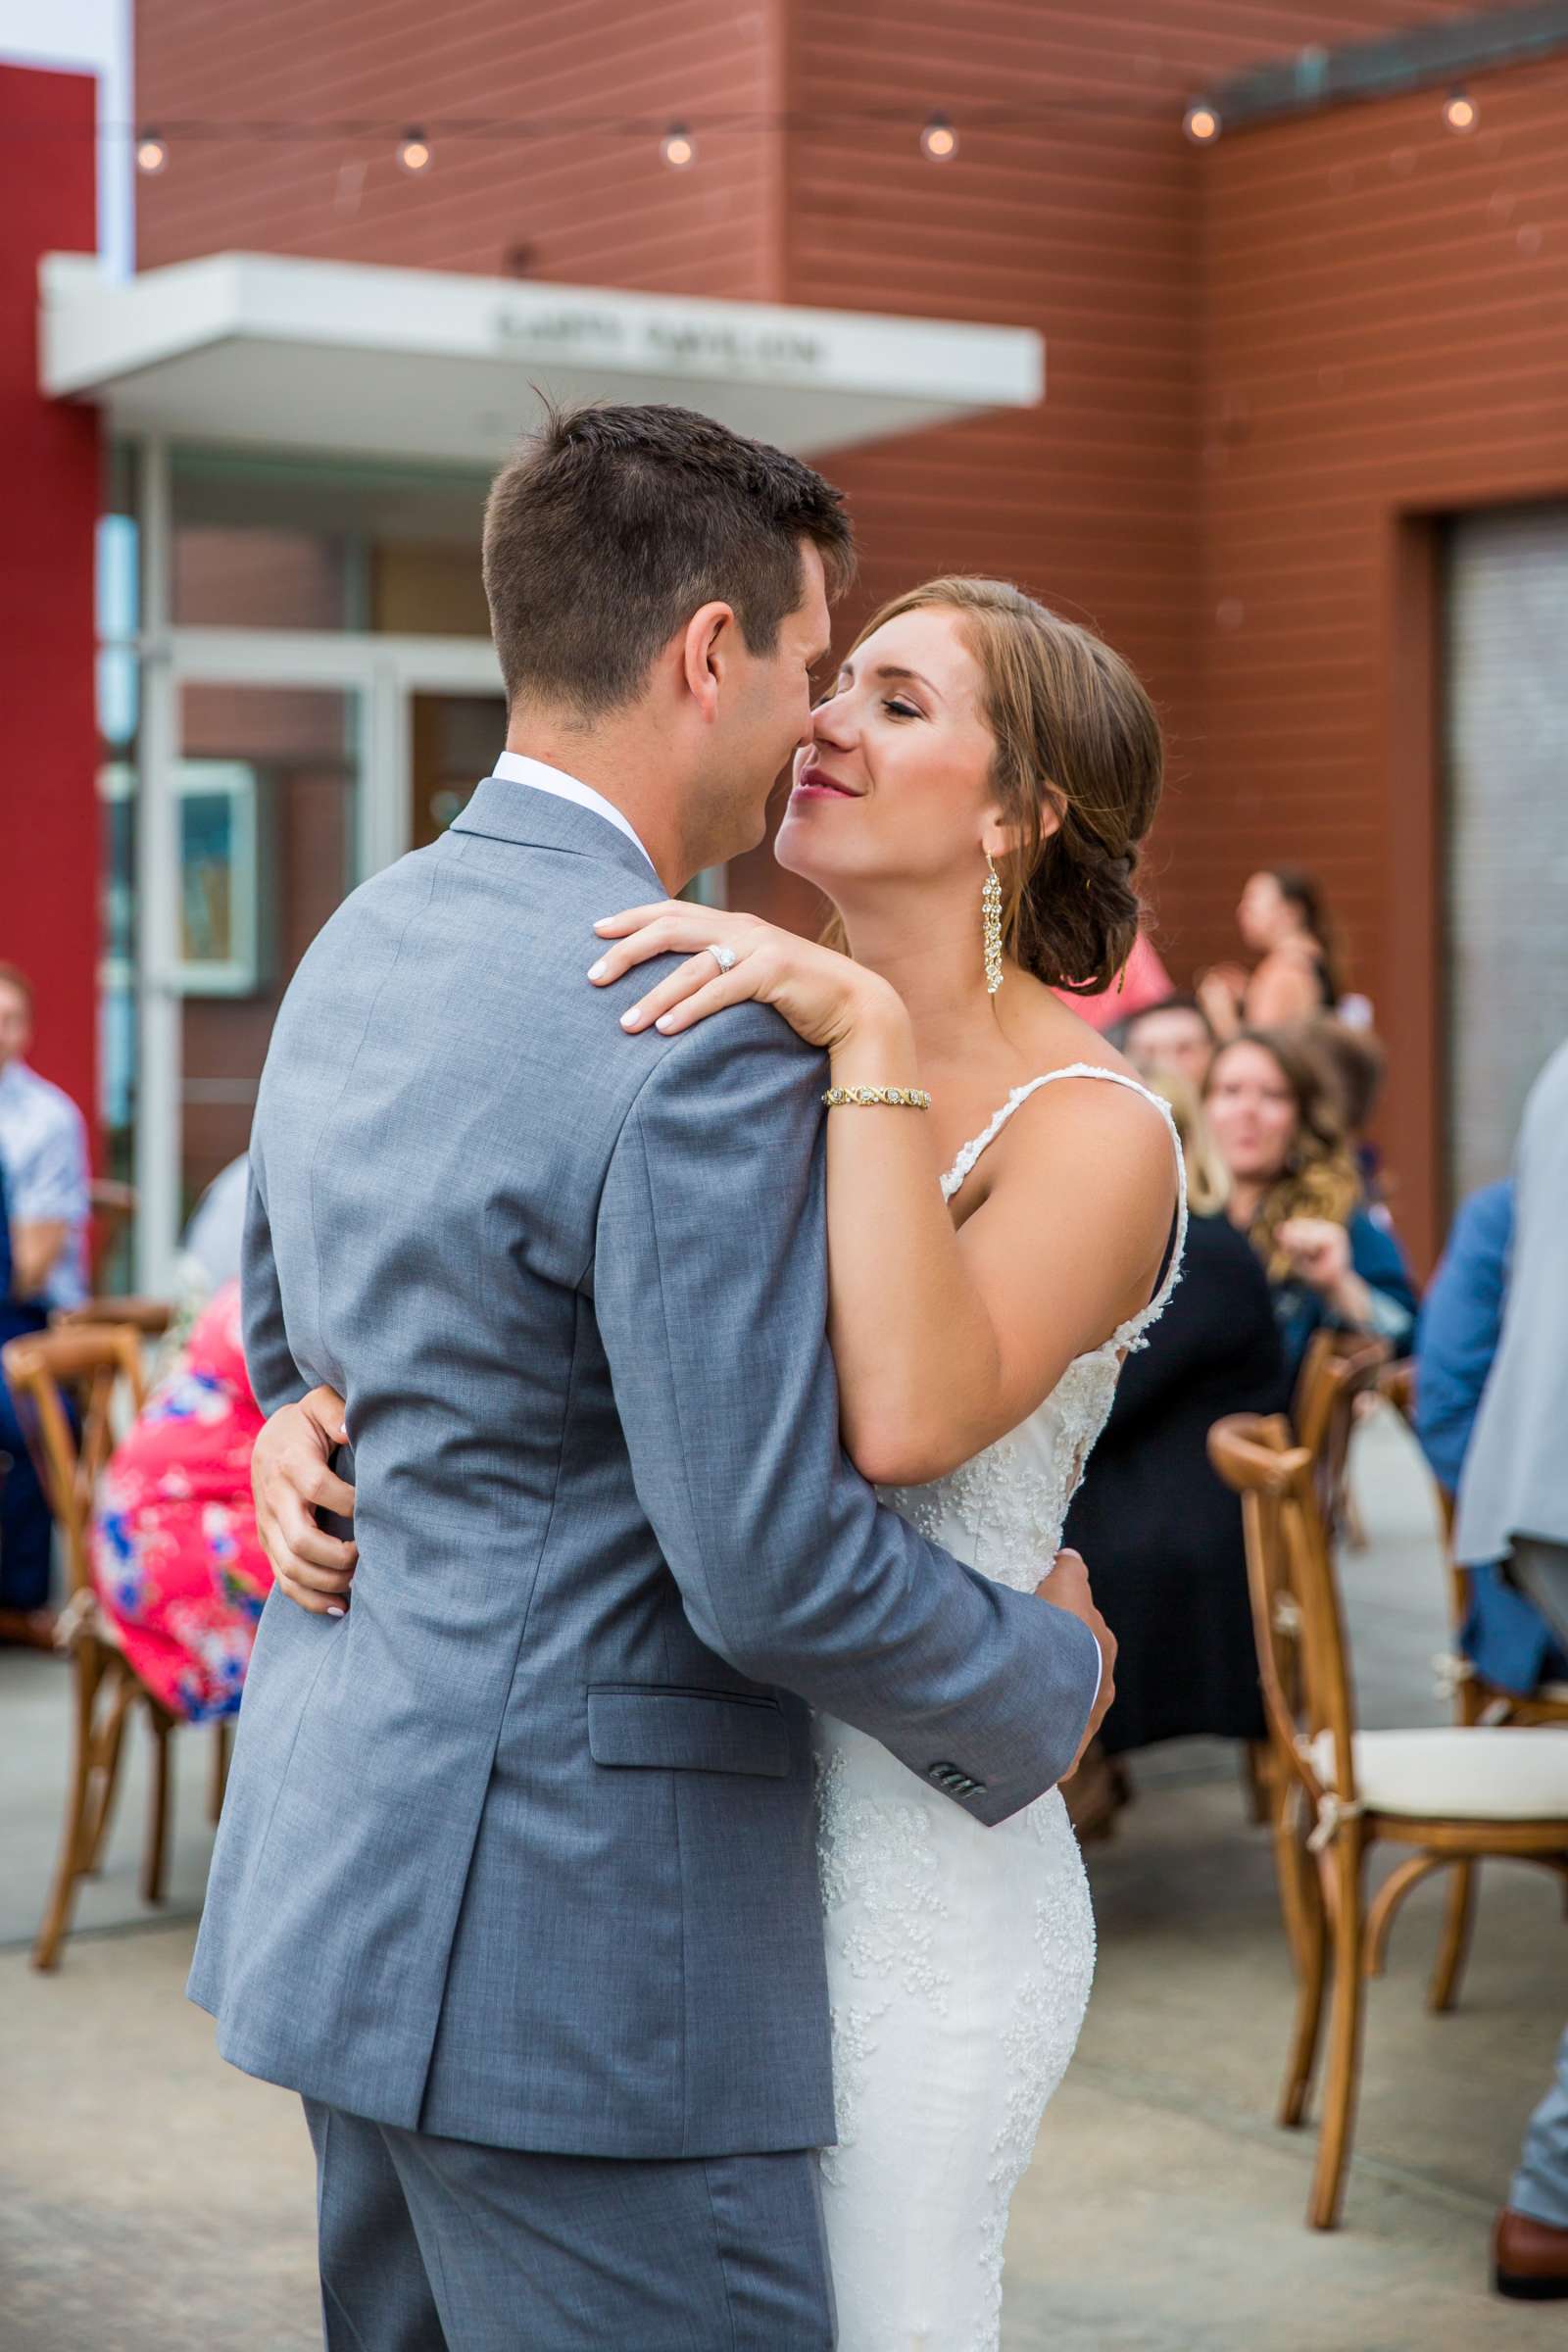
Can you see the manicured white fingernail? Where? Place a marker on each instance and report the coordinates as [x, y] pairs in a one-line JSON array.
[[665, 1021], [337, 1612], [597, 971], [632, 1020], [603, 922]]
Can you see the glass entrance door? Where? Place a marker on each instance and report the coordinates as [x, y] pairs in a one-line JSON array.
[[265, 819], [453, 741]]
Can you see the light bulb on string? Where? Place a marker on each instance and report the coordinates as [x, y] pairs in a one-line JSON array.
[[1459, 111], [939, 141], [151, 153], [1201, 124], [677, 148], [415, 153]]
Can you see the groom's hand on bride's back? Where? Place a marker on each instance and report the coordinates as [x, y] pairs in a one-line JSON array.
[[1067, 1588], [291, 1480]]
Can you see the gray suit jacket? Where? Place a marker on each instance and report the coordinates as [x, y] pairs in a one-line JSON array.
[[1515, 1477], [522, 1849]]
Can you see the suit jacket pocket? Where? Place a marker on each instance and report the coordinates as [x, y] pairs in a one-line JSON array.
[[676, 1730]]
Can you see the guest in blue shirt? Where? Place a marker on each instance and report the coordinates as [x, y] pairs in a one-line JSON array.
[[1505, 1636], [1296, 1194]]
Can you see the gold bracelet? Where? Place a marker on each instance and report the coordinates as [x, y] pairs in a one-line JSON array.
[[902, 1098]]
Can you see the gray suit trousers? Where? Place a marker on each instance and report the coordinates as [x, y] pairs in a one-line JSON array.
[[442, 2245]]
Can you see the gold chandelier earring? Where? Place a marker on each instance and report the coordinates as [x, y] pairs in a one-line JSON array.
[[991, 924]]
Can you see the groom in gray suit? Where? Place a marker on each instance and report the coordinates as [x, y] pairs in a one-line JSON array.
[[515, 1880]]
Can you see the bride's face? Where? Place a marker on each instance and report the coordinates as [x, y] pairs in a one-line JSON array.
[[894, 784]]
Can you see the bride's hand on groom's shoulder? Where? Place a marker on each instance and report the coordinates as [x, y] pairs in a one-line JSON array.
[[735, 959], [291, 1480]]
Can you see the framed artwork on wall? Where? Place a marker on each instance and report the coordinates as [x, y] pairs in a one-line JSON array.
[[219, 878]]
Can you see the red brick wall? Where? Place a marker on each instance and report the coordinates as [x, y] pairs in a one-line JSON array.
[[1385, 342], [594, 208], [1199, 483], [49, 822]]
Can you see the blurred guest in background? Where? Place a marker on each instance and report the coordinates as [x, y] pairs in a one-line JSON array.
[[1357, 1062], [1143, 980], [1167, 1534], [1296, 1194], [1504, 1635], [43, 1144], [210, 1245], [25, 1530], [1285, 928], [1513, 1506], [43, 1153], [180, 1570], [1513, 1489], [1169, 1039]]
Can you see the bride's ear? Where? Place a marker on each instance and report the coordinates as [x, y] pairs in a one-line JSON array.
[[1000, 838]]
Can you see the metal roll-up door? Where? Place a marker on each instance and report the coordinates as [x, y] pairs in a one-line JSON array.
[[1507, 861]]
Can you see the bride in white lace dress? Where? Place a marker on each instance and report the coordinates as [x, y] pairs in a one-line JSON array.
[[978, 1326]]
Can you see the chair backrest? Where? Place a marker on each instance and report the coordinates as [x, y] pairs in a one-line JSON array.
[[1338, 1368], [112, 1209], [1298, 1623], [96, 1368]]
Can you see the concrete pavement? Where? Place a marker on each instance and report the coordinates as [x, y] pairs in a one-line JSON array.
[[153, 2201]]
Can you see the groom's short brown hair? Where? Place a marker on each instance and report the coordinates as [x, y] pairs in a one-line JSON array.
[[611, 526]]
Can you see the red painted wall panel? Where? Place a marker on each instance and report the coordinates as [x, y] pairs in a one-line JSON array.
[[48, 795]]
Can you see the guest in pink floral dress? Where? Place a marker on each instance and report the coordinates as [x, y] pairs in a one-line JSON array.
[[181, 1574]]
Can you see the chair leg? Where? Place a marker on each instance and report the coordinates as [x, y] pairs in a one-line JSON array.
[[1341, 1867], [220, 1775], [86, 1675], [106, 1776], [1311, 1975], [1293, 1871], [1457, 1920], [156, 1855], [1257, 1781]]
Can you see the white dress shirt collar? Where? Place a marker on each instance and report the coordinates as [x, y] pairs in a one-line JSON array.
[[516, 768]]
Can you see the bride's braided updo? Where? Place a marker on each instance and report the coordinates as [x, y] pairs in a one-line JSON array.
[[1073, 729]]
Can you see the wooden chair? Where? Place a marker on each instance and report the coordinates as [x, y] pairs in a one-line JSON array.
[[1476, 1701], [1339, 1369], [99, 1368], [151, 1317], [112, 1207], [1447, 1795]]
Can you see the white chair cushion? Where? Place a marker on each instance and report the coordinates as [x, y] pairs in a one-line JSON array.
[[1457, 1771]]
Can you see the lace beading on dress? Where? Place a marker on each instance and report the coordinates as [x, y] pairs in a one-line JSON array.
[[939, 1931]]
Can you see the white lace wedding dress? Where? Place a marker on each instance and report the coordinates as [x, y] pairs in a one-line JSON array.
[[959, 1957]]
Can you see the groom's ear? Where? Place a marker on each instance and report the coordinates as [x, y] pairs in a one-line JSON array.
[[706, 649]]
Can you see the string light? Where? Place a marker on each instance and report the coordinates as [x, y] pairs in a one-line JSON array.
[[414, 153], [152, 152], [1201, 124], [677, 147], [939, 141], [1459, 111]]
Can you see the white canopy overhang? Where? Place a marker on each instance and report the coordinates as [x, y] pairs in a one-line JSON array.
[[262, 350]]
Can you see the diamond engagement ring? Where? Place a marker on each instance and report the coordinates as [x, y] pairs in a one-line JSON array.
[[723, 956]]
